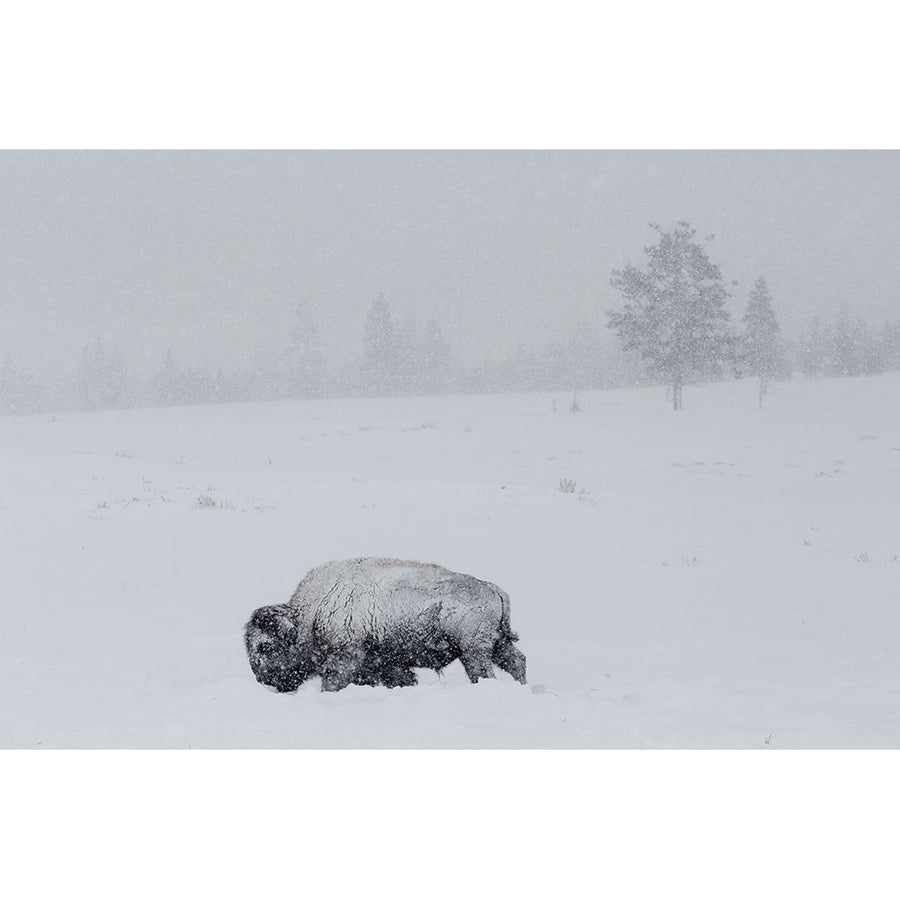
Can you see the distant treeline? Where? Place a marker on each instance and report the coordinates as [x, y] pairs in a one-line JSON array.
[[400, 361], [847, 346]]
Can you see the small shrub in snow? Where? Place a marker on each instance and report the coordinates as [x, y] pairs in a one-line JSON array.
[[575, 406], [207, 501], [567, 485]]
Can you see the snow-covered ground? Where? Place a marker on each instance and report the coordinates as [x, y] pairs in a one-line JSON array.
[[720, 577]]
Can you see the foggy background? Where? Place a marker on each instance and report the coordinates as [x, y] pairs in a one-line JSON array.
[[202, 257]]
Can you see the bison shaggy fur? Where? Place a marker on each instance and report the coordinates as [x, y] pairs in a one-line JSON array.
[[372, 621]]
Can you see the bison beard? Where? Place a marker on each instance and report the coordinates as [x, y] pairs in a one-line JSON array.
[[372, 621]]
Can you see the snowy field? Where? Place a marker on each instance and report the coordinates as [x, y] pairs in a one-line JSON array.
[[721, 577]]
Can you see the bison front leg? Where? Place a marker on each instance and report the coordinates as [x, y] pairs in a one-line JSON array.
[[367, 677], [341, 669], [477, 664]]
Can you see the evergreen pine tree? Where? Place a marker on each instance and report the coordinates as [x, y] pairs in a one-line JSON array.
[[382, 349], [103, 377], [760, 348], [305, 360], [870, 350], [436, 359], [167, 388], [890, 346], [844, 358], [816, 350], [20, 392]]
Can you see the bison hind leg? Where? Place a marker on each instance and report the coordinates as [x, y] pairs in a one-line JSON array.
[[367, 676], [508, 658], [477, 665]]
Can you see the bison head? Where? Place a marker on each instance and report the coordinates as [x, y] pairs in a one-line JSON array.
[[272, 644]]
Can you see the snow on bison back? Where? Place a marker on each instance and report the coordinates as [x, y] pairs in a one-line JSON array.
[[372, 621]]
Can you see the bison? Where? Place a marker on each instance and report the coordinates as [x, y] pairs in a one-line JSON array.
[[372, 621]]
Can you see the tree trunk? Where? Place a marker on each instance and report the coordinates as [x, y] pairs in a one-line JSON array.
[[676, 392]]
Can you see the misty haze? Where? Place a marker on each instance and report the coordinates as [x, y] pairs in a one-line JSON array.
[[450, 449]]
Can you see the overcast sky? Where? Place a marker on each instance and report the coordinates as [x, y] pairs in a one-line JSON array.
[[206, 252]]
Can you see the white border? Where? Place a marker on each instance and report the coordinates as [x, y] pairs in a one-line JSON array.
[[443, 824], [492, 73]]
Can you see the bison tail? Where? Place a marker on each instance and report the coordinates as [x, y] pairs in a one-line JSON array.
[[505, 628], [504, 654]]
